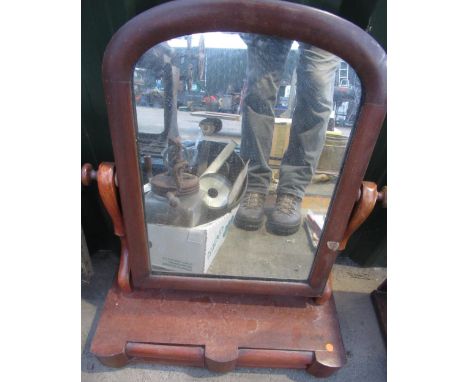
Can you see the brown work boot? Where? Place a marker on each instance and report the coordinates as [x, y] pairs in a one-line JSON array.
[[286, 217], [250, 213]]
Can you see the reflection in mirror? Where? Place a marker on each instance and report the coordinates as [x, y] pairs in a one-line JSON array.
[[241, 140]]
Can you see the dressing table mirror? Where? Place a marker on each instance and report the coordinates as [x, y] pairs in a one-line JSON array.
[[219, 110]]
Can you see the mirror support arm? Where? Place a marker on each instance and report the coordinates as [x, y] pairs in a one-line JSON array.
[[107, 180], [367, 198]]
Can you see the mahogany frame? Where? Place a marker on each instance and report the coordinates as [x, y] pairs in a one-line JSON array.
[[283, 19]]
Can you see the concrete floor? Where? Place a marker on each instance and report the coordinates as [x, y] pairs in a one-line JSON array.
[[366, 352], [263, 254]]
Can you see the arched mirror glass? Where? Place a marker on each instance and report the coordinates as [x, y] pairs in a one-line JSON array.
[[241, 140]]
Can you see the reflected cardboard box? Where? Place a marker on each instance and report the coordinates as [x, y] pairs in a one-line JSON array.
[[187, 250], [280, 141]]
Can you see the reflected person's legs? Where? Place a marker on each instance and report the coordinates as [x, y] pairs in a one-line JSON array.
[[266, 60], [315, 82], [314, 104]]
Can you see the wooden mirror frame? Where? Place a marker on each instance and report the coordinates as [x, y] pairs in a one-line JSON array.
[[270, 17]]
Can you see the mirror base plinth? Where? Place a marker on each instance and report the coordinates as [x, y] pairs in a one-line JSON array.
[[219, 331]]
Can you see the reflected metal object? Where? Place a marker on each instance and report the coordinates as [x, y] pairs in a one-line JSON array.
[[183, 199], [210, 126], [221, 158], [161, 184], [217, 190], [216, 186], [175, 197], [236, 190], [175, 180]]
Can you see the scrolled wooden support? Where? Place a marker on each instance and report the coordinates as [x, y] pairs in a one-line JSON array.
[[123, 276], [366, 199], [106, 179], [108, 194], [362, 209]]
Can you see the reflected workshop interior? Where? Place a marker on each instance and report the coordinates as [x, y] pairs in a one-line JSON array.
[[190, 95]]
